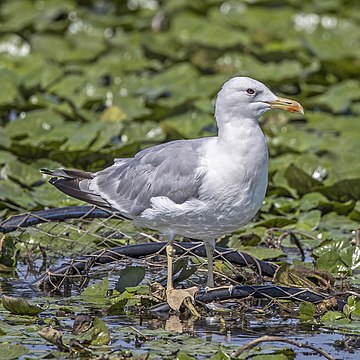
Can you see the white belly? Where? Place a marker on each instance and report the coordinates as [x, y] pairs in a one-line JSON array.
[[232, 192]]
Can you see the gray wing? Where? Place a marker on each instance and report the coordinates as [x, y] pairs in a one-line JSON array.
[[171, 170]]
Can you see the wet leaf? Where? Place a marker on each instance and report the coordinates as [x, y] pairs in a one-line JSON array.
[[276, 222], [113, 113], [182, 356], [193, 29], [12, 351], [77, 47], [54, 337], [220, 355], [82, 323], [334, 43], [339, 96], [307, 311], [19, 306], [129, 277], [343, 190], [309, 221], [285, 275], [118, 307], [183, 270], [262, 253], [4, 143], [16, 170], [100, 333], [6, 156], [97, 292], [9, 93], [299, 180], [354, 305], [8, 251], [338, 256], [332, 316], [248, 65]]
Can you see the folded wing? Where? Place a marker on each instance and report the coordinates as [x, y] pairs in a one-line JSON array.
[[170, 170]]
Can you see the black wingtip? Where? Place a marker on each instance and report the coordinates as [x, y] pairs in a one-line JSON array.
[[53, 180], [46, 171]]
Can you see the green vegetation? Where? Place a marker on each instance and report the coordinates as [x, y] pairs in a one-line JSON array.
[[83, 82]]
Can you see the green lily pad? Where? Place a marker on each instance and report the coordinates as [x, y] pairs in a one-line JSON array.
[[100, 333], [12, 351], [338, 97], [299, 180], [9, 93], [24, 174], [97, 292], [193, 29], [8, 252], [129, 277], [338, 257], [20, 306], [307, 311]]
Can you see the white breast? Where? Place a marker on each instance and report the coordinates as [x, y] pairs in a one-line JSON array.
[[232, 192], [236, 179]]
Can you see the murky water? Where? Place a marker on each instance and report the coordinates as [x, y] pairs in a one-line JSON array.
[[209, 331]]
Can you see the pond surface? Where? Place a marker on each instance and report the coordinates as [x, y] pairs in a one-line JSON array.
[[84, 82], [167, 334]]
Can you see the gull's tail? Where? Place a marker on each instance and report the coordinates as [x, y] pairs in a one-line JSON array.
[[76, 183]]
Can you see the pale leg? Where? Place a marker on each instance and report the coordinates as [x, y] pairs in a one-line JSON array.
[[169, 256], [210, 246]]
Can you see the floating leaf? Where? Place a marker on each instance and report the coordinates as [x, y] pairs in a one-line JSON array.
[[8, 251], [129, 277], [299, 180], [261, 253], [338, 256], [12, 351], [309, 221], [307, 311], [190, 28], [82, 323], [354, 304], [9, 92], [96, 292], [182, 356], [343, 190], [332, 316], [339, 96], [19, 306], [25, 174], [183, 270], [276, 222], [113, 113], [12, 192], [100, 333], [54, 337], [117, 308]]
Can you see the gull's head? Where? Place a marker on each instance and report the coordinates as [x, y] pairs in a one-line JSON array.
[[243, 97]]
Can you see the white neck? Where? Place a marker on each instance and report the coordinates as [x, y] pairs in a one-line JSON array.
[[240, 135]]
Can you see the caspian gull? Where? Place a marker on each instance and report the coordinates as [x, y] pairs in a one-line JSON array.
[[201, 188]]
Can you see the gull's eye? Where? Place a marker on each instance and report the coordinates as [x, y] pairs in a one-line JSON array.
[[250, 91]]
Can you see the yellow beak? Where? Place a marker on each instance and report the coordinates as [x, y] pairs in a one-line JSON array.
[[287, 104]]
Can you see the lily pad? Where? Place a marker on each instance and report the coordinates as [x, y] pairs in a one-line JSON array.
[[20, 306], [129, 277], [12, 351], [96, 292]]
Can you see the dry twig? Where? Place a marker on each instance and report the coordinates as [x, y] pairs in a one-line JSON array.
[[261, 339]]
